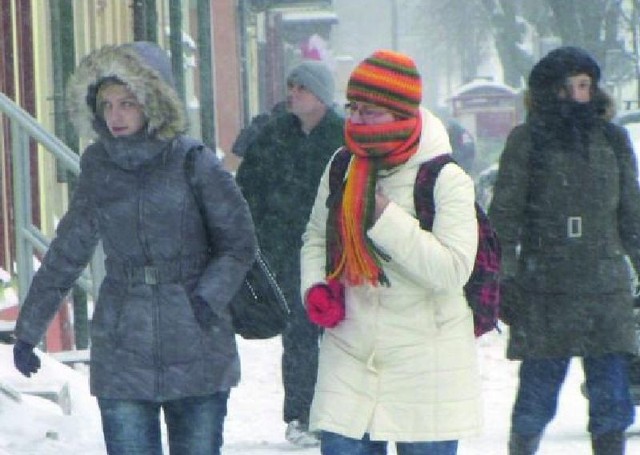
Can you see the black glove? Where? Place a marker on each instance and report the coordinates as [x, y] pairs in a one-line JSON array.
[[510, 300], [205, 316], [24, 359]]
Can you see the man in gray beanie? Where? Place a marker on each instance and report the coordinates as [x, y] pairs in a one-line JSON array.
[[279, 175], [311, 74], [316, 78]]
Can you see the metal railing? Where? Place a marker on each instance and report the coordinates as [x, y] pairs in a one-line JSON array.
[[28, 238]]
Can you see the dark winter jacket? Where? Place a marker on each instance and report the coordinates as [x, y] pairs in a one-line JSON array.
[[133, 195], [566, 207], [279, 177]]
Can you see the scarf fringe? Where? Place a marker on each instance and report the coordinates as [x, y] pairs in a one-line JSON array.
[[360, 261]]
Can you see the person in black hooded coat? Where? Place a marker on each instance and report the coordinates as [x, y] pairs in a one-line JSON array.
[[566, 207], [161, 332]]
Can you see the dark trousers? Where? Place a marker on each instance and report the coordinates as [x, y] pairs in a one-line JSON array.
[[335, 444], [194, 425], [299, 358], [610, 405]]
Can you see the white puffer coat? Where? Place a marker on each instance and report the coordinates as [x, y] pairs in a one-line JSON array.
[[402, 366]]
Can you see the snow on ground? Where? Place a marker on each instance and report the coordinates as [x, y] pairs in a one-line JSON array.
[[36, 426]]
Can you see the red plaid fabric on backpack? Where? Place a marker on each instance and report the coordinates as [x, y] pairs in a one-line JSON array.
[[483, 288]]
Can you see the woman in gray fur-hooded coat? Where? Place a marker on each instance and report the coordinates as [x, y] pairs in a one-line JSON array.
[[161, 332]]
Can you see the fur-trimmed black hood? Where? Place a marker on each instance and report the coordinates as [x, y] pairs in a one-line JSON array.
[[146, 70], [553, 118], [605, 106], [553, 69], [549, 76]]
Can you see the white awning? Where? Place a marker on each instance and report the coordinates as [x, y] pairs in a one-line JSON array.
[[309, 16]]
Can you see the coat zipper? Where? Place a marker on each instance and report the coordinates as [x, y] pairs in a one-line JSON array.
[[142, 238]]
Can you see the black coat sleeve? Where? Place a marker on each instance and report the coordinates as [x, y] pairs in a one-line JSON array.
[[507, 209]]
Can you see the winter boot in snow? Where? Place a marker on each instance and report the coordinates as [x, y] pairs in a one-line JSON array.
[[299, 435], [520, 444], [612, 443]]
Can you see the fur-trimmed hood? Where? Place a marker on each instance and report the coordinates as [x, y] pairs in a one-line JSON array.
[[146, 70], [606, 108], [549, 76]]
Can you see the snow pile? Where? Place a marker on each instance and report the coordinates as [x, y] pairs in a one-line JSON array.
[[254, 425]]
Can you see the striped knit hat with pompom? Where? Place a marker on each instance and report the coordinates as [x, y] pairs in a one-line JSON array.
[[388, 79]]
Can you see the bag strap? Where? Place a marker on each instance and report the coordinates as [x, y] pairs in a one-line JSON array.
[[261, 260], [424, 186], [189, 170], [265, 268], [337, 172]]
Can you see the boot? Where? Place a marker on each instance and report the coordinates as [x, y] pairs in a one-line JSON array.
[[612, 443], [520, 444]]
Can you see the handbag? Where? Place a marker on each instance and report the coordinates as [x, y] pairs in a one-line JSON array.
[[259, 309]]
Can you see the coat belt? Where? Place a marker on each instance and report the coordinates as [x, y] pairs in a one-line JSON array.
[[573, 230], [156, 273]]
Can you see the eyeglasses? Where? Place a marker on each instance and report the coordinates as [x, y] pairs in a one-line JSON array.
[[365, 111], [292, 85]]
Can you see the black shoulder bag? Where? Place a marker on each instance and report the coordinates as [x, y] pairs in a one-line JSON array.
[[259, 309]]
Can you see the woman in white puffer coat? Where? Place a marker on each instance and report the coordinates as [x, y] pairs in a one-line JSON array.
[[398, 358]]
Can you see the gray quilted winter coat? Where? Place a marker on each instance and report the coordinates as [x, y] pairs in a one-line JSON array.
[[133, 195]]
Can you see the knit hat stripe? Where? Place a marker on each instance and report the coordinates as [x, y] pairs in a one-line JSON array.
[[388, 79], [392, 79], [390, 100], [391, 59], [397, 88]]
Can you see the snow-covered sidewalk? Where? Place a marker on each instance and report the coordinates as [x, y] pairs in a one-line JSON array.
[[254, 425]]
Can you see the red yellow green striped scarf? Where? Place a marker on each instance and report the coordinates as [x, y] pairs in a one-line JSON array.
[[373, 147]]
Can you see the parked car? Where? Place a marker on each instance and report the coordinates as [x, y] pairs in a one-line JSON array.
[[631, 121]]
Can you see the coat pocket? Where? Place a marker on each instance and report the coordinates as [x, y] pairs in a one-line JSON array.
[[181, 335]]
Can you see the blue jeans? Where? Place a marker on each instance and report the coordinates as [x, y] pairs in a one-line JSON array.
[[194, 425], [335, 444], [611, 408]]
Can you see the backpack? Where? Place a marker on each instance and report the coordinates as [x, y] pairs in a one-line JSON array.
[[482, 290]]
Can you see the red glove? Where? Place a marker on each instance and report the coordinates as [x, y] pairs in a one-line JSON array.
[[325, 304], [337, 290]]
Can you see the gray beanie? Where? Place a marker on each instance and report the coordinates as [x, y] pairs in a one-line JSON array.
[[316, 77]]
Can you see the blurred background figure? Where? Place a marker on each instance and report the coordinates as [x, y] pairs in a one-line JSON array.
[[249, 134], [279, 175], [463, 147]]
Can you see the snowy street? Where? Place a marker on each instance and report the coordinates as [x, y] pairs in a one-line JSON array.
[[254, 426]]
